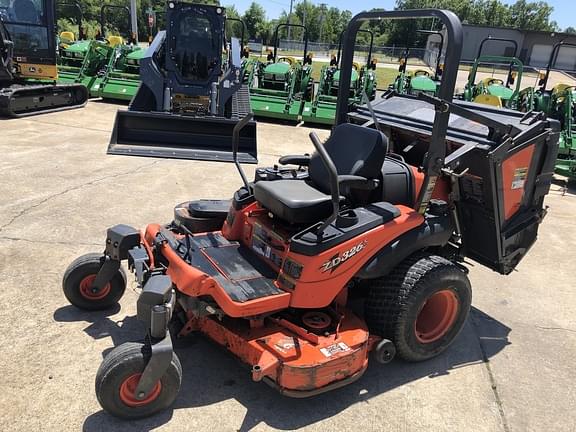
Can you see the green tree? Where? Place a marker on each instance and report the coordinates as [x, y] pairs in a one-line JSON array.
[[255, 19], [532, 16], [571, 30]]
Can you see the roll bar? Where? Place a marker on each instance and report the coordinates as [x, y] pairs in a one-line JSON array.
[[243, 29], [495, 39], [431, 32], [434, 160], [103, 10], [552, 60], [369, 49], [276, 41], [79, 14]]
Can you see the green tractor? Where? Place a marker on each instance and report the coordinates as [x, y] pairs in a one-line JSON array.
[[420, 80], [89, 62], [280, 86], [322, 108], [559, 103], [120, 78], [491, 90]]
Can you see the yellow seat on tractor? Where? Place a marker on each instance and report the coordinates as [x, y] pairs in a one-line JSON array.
[[114, 41], [488, 99], [67, 36], [559, 89]]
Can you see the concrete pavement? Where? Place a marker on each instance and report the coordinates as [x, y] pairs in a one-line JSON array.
[[511, 369]]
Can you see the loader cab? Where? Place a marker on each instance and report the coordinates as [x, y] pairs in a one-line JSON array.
[[195, 42], [30, 25]]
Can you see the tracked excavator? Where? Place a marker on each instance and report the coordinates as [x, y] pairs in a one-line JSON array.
[[28, 71]]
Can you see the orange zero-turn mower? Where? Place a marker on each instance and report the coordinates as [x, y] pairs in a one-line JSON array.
[[356, 249]]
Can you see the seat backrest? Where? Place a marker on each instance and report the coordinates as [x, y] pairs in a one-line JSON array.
[[355, 150], [114, 41], [488, 99], [67, 36]]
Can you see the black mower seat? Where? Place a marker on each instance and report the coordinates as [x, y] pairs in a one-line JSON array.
[[294, 201], [355, 150]]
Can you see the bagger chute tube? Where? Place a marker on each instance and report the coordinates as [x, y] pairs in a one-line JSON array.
[[323, 259]]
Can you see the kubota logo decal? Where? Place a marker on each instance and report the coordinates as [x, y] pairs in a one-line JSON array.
[[334, 262]]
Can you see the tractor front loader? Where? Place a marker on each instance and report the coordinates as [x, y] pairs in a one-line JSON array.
[[326, 258], [322, 108], [191, 97], [88, 62], [559, 103], [420, 80], [491, 90], [120, 78], [28, 71], [282, 84]]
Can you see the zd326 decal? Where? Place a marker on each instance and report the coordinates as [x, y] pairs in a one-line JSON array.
[[334, 262]]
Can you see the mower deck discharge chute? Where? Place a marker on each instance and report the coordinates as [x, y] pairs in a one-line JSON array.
[[190, 98], [316, 263]]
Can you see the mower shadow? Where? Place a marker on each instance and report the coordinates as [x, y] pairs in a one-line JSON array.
[[211, 377], [101, 326]]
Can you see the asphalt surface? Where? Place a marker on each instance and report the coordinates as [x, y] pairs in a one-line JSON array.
[[511, 369]]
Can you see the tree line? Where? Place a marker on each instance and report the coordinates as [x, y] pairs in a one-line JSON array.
[[325, 23]]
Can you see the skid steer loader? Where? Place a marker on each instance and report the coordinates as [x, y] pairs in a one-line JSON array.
[[191, 95]]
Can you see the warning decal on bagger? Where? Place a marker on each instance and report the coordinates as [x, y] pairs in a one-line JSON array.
[[520, 175]]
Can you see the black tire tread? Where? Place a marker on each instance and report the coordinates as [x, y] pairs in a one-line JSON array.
[[126, 353], [389, 298], [70, 290]]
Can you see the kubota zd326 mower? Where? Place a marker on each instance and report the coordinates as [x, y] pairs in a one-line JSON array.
[[191, 95], [353, 250]]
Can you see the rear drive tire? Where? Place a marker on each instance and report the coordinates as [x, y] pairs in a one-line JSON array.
[[79, 277], [421, 306], [118, 377]]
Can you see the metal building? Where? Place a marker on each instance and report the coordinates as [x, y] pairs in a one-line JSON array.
[[534, 47]]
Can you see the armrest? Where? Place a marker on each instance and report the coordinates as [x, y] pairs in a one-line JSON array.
[[301, 160], [358, 182]]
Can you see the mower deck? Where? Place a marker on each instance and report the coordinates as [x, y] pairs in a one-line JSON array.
[[297, 362]]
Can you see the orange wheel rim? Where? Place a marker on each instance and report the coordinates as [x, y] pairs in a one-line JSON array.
[[128, 392], [86, 289], [437, 316]]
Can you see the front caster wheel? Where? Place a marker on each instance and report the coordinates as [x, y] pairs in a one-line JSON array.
[[118, 377], [78, 280]]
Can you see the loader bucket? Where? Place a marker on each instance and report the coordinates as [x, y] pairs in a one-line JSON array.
[[175, 136]]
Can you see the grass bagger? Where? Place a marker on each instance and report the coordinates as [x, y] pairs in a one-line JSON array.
[[280, 86], [491, 90], [191, 96], [322, 108], [560, 104], [419, 80], [327, 258], [28, 71]]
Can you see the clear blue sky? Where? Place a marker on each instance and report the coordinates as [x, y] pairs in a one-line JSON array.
[[563, 9]]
